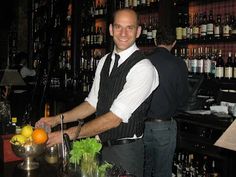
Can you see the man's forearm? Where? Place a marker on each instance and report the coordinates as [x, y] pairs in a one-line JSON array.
[[99, 125], [79, 112]]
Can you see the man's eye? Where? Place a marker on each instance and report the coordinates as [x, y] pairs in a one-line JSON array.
[[117, 26], [130, 27]]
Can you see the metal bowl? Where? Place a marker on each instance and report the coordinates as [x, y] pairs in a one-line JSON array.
[[28, 152]]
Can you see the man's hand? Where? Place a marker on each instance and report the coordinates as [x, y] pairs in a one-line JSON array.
[[56, 137], [48, 121]]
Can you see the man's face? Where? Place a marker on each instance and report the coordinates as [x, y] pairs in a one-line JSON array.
[[124, 30]]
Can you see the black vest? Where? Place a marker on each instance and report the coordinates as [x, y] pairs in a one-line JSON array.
[[110, 87]]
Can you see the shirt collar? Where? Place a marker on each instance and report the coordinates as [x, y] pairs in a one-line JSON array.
[[125, 54]]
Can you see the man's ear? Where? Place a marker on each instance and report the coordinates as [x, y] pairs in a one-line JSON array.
[[111, 29], [139, 30]]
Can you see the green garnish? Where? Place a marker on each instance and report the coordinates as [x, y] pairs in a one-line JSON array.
[[85, 146]]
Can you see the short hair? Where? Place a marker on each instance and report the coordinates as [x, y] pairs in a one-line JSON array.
[[165, 35], [125, 9]]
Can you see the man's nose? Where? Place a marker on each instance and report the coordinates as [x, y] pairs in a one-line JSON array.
[[123, 32]]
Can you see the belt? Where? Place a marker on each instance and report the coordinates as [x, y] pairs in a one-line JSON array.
[[149, 119], [118, 142]]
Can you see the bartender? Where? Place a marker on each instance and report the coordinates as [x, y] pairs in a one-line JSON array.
[[118, 97]]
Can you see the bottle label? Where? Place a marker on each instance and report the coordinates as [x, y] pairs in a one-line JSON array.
[[179, 32], [154, 33], [207, 66], [203, 30], [144, 31], [234, 72], [184, 33], [213, 67], [233, 32], [200, 66], [219, 72], [195, 32], [210, 28], [189, 33], [228, 72], [217, 31], [149, 35], [226, 30], [193, 65]]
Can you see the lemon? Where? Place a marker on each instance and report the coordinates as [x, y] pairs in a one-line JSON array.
[[27, 131], [18, 139]]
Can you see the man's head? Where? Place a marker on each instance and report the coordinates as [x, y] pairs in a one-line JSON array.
[[124, 28], [165, 37]]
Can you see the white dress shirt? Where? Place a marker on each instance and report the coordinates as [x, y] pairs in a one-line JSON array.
[[141, 80]]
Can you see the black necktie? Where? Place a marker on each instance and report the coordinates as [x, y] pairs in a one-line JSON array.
[[117, 57]]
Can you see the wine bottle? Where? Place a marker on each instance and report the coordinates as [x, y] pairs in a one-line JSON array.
[[203, 26], [234, 64], [218, 27], [226, 26], [210, 26], [179, 28], [219, 66], [228, 69], [196, 30], [207, 63]]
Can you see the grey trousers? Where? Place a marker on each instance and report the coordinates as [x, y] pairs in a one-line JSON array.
[[129, 156]]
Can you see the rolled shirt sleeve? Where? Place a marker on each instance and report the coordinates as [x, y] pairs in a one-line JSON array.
[[141, 80]]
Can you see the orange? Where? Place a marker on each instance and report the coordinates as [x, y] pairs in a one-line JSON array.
[[39, 136]]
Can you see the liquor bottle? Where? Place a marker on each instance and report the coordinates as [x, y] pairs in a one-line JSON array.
[[100, 8], [212, 170], [210, 26], [190, 28], [218, 27], [192, 168], [213, 62], [154, 29], [233, 27], [100, 36], [144, 34], [193, 62], [179, 28], [143, 3], [200, 61], [234, 64], [126, 3], [226, 26], [135, 3], [203, 26], [185, 26], [228, 69], [207, 63], [196, 30], [180, 165], [219, 66], [149, 32], [185, 56]]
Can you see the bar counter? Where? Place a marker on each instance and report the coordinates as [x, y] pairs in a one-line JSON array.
[[44, 170]]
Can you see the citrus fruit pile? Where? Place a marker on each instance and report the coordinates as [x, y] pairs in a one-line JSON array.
[[30, 135]]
